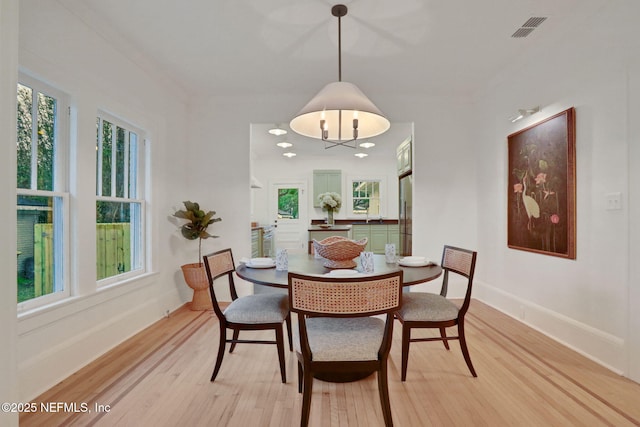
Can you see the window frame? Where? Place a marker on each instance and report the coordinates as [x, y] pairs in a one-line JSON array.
[[381, 179], [139, 238], [60, 190]]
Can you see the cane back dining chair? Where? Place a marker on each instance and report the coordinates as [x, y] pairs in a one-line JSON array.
[[336, 333], [247, 313], [429, 310]]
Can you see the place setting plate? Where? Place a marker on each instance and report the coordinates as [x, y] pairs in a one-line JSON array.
[[342, 272], [415, 261], [259, 263]]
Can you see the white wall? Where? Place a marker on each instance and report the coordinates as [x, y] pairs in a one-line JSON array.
[[56, 341], [632, 335], [8, 291], [582, 302]]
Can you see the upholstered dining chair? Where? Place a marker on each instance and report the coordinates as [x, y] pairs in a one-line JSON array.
[[336, 334], [428, 310], [247, 313]]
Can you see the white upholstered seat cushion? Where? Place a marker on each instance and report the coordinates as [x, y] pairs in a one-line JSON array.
[[253, 309], [427, 307], [343, 339]]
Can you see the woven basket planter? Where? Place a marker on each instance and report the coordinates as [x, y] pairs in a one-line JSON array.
[[196, 277]]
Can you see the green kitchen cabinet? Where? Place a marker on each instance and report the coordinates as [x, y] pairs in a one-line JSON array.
[[257, 249], [393, 236], [359, 232], [404, 157], [378, 236], [326, 181]]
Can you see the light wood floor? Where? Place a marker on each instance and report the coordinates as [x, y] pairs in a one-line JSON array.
[[161, 378]]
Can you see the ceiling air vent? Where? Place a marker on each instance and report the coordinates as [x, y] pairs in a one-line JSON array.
[[531, 24], [522, 32]]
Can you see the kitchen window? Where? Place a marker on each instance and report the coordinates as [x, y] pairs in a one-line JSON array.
[[42, 197], [366, 197], [119, 200]]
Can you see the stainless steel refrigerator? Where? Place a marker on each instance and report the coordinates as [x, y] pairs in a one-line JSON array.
[[405, 183]]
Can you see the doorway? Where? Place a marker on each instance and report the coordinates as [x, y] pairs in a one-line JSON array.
[[288, 208]]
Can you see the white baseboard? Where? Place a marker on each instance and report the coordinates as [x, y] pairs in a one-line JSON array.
[[40, 371], [603, 348]]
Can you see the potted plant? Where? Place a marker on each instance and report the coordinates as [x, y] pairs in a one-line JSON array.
[[195, 227]]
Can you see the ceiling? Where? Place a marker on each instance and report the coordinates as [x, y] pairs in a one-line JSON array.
[[233, 47], [247, 47]]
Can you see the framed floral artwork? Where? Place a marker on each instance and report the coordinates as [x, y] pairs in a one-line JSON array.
[[541, 212]]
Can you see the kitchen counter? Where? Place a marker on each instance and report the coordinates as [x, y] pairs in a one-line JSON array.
[[340, 222], [319, 233], [337, 227], [378, 232]]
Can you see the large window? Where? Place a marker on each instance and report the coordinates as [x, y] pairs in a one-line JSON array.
[[119, 201], [42, 200]]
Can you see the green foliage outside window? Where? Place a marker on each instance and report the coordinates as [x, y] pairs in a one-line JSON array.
[[288, 203], [44, 148]]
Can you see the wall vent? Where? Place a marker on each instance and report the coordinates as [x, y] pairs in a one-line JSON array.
[[531, 24]]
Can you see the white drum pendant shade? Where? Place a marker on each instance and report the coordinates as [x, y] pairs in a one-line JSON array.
[[338, 103]]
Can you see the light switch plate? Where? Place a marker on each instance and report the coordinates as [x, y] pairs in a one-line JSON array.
[[614, 201]]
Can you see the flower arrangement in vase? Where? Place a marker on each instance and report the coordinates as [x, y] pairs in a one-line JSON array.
[[330, 202]]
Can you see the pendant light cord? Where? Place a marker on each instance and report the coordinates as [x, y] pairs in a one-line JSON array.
[[339, 48]]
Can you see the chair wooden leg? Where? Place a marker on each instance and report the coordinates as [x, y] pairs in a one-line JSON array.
[[406, 338], [465, 350], [300, 377], [236, 333], [443, 334], [307, 391], [383, 390], [288, 323], [221, 346], [280, 345]]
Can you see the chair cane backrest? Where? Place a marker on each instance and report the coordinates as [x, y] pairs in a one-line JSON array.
[[345, 297], [462, 262], [219, 264]]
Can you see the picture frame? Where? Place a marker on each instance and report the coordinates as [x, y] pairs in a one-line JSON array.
[[541, 212]]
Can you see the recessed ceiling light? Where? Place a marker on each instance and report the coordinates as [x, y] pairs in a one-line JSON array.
[[277, 131], [361, 155], [367, 145], [284, 144], [289, 154]]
